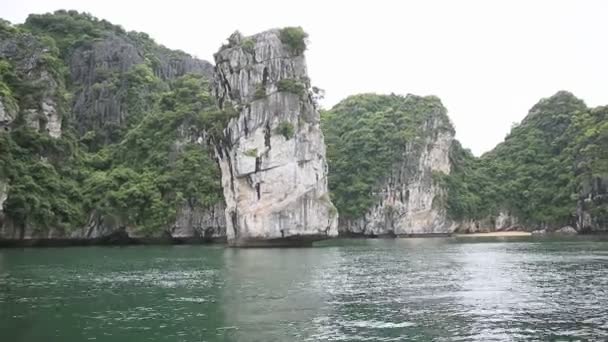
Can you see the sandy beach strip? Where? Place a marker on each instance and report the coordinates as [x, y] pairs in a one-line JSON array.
[[504, 234]]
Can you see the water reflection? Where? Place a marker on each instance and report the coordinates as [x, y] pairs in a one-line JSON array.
[[495, 292], [365, 290], [269, 294]]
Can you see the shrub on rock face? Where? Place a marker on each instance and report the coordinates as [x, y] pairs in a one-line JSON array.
[[251, 153], [285, 129], [248, 45], [291, 86], [260, 92], [366, 136], [294, 38]]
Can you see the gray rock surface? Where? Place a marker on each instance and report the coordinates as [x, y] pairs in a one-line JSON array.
[[199, 222], [593, 195], [504, 221], [272, 157], [98, 70], [567, 230], [6, 116], [40, 105], [3, 197]]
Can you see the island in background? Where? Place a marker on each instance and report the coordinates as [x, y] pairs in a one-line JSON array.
[[108, 137]]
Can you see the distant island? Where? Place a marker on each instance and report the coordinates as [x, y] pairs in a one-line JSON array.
[[108, 137]]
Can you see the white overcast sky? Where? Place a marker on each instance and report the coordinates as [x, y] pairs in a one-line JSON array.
[[489, 61]]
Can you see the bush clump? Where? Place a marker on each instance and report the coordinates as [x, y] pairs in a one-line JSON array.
[[291, 86], [285, 129], [248, 45], [260, 92], [251, 153], [295, 38]]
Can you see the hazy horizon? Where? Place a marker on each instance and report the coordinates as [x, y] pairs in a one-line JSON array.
[[488, 62]]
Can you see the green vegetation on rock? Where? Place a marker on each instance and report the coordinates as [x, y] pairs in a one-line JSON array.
[[251, 153], [365, 136], [137, 123], [70, 29], [135, 170], [43, 174], [285, 129], [551, 170], [294, 38], [540, 169], [248, 45], [260, 92], [291, 86]]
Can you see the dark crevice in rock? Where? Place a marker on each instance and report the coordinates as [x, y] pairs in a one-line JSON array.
[[265, 76], [234, 219], [303, 161], [225, 84], [267, 134], [231, 173], [260, 170]]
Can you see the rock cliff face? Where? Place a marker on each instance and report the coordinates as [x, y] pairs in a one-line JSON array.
[[592, 169], [114, 80], [32, 63], [272, 157], [408, 200], [3, 196], [504, 221], [592, 205], [103, 74], [197, 222], [6, 116]]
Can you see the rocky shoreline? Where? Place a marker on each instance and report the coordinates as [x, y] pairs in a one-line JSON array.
[[111, 240], [123, 239]]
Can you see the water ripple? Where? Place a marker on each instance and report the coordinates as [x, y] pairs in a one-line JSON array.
[[372, 290]]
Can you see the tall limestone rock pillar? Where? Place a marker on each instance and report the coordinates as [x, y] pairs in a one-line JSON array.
[[272, 156]]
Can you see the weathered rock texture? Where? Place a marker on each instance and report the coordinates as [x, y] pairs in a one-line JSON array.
[[104, 93], [3, 196], [106, 97], [41, 103], [272, 157], [592, 205], [6, 116], [409, 201], [504, 221], [194, 222]]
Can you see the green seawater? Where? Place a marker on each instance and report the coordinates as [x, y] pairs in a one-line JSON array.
[[433, 289]]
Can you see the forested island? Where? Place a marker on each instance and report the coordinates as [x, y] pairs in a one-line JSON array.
[[108, 137]]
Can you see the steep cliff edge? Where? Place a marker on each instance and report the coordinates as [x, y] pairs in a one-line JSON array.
[[590, 147], [272, 156], [110, 71], [32, 63], [385, 153]]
